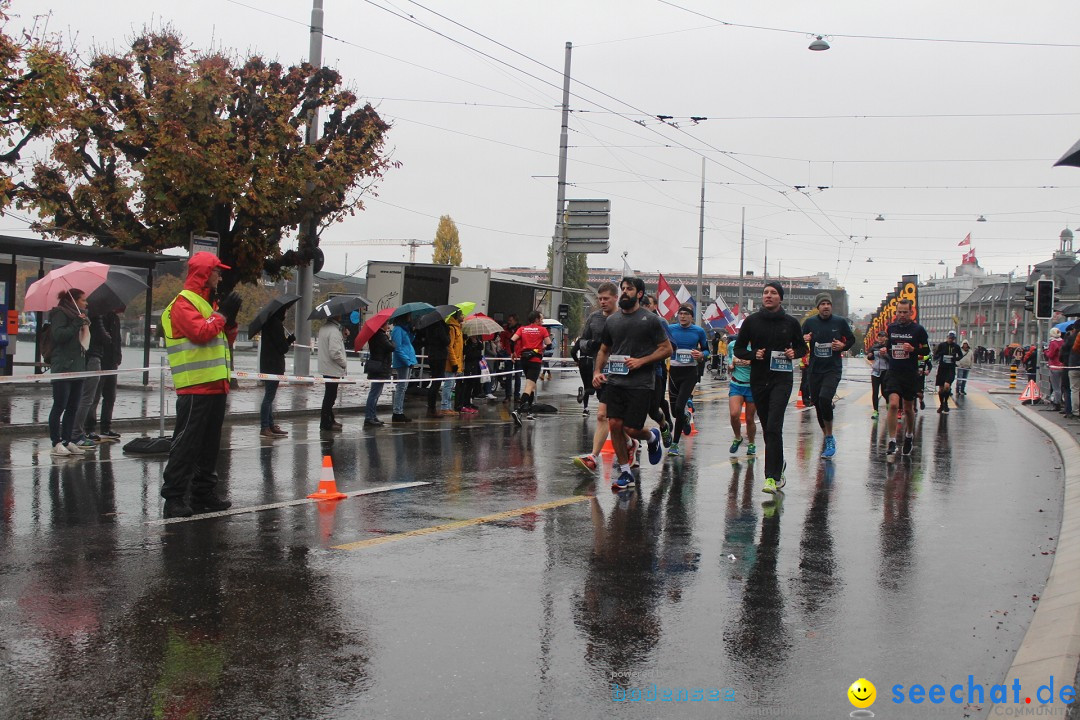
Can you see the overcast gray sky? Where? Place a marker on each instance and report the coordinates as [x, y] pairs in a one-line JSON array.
[[929, 134]]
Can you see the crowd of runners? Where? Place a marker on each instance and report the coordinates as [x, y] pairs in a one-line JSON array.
[[640, 367]]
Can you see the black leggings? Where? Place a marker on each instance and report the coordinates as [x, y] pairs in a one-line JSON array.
[[659, 410], [681, 387], [877, 388], [823, 390], [771, 400]]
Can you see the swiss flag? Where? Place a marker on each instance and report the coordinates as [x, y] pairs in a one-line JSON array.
[[965, 241], [665, 298]]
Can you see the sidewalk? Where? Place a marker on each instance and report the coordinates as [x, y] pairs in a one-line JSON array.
[[1051, 646]]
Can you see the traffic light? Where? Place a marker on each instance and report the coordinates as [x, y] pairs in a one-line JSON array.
[[1044, 299], [1029, 298], [564, 312]]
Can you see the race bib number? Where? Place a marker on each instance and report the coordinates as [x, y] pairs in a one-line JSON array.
[[779, 362], [822, 350], [616, 365], [899, 353], [947, 360], [684, 357]]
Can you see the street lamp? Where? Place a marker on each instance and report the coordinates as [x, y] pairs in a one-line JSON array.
[[819, 43]]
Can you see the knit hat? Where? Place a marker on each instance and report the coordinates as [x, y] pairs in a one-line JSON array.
[[776, 286], [822, 297]]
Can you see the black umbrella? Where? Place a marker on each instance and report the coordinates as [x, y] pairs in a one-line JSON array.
[[441, 313], [120, 286], [1072, 157], [338, 305], [285, 301]]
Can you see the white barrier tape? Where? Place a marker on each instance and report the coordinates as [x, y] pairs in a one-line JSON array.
[[313, 380], [49, 377]]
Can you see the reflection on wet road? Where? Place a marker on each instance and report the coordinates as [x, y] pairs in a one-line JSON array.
[[514, 585]]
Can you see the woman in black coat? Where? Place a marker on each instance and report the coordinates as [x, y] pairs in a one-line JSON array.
[[272, 348], [380, 352]]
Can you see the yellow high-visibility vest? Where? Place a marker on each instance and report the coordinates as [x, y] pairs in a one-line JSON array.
[[195, 364]]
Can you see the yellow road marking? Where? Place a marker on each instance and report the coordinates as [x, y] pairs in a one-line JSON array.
[[981, 401], [457, 525]]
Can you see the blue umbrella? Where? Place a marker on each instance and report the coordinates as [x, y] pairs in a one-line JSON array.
[[416, 308], [1062, 326]]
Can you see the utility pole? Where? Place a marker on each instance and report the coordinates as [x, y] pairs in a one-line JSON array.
[[305, 279], [700, 310], [742, 258], [558, 241]]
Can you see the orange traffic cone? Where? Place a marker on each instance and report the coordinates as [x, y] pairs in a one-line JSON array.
[[693, 426], [327, 485], [608, 448], [799, 403], [742, 415]]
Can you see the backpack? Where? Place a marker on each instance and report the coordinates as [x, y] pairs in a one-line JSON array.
[[45, 343]]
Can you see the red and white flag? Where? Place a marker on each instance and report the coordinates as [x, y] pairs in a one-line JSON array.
[[969, 258], [965, 241], [665, 298]]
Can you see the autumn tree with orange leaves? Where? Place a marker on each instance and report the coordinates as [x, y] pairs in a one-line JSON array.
[[161, 142]]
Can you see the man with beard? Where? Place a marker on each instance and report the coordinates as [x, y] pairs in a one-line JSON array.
[[588, 346], [777, 341], [633, 340]]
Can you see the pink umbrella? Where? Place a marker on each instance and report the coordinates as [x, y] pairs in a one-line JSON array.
[[85, 276]]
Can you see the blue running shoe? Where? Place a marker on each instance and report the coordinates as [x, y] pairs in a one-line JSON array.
[[674, 449], [734, 449], [830, 447], [656, 450], [751, 450], [625, 480]]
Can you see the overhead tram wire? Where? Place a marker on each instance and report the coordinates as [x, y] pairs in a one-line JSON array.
[[456, 222], [871, 37], [549, 68]]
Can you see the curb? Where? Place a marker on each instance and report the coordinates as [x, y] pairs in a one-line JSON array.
[[1051, 645]]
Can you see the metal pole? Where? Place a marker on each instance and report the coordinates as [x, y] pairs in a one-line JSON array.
[[558, 240], [146, 324], [1008, 309], [305, 276], [742, 258], [161, 393], [701, 251]]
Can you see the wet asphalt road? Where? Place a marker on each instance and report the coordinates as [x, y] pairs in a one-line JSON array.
[[918, 572]]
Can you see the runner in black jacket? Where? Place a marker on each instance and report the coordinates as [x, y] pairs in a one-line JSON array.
[[777, 340]]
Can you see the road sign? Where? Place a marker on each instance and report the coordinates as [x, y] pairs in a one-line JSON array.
[[588, 233], [204, 243], [588, 206], [587, 246]]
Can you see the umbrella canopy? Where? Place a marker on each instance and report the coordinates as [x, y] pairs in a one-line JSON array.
[[275, 305], [414, 308], [441, 313], [480, 324], [547, 322], [1063, 326], [85, 276], [372, 326], [337, 306], [1072, 157], [466, 308], [1070, 310], [120, 287]]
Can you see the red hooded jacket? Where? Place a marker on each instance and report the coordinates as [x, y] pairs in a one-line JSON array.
[[188, 322]]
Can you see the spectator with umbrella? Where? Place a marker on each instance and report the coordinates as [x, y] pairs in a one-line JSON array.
[[404, 361], [69, 331], [275, 343], [377, 367], [332, 365]]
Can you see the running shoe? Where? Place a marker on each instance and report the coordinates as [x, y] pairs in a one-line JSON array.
[[783, 477], [109, 435], [631, 452], [625, 479], [769, 486], [656, 450], [891, 452], [94, 438], [751, 450], [580, 394], [688, 421], [516, 418], [673, 449], [734, 449], [586, 462], [585, 412], [908, 442], [60, 450], [665, 435], [86, 444], [830, 447], [945, 410], [874, 415]]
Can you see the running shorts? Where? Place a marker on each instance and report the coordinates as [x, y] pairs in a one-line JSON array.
[[628, 404], [734, 389], [906, 385]]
